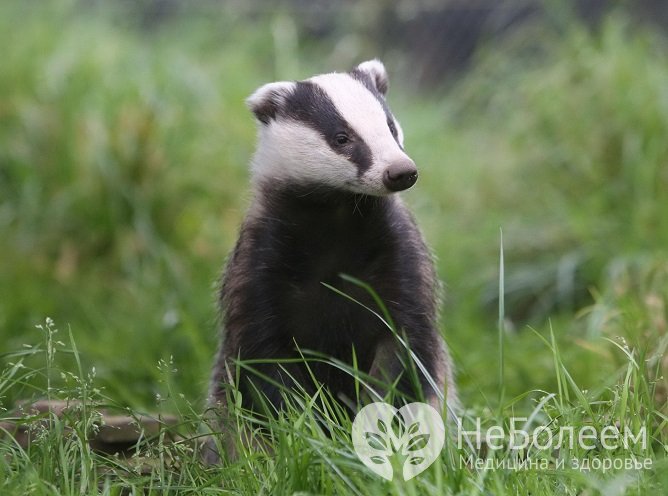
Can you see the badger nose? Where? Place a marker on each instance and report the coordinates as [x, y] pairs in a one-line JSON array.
[[400, 175]]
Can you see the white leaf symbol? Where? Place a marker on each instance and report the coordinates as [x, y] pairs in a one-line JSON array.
[[375, 441]]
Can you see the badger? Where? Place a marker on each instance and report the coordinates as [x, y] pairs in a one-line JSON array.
[[329, 163]]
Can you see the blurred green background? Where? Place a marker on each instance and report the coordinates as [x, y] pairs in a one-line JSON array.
[[124, 144]]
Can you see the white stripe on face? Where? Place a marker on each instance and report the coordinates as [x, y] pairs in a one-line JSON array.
[[365, 115], [294, 151]]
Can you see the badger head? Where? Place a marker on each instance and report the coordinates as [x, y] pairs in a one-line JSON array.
[[332, 130]]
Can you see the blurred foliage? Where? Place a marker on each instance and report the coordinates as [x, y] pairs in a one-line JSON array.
[[110, 164], [588, 181]]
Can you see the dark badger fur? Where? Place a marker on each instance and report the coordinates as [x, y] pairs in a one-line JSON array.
[[330, 156]]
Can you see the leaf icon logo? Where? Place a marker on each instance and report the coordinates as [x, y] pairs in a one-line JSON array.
[[411, 438]]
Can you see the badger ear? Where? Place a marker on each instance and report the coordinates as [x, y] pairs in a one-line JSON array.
[[375, 71], [268, 99]]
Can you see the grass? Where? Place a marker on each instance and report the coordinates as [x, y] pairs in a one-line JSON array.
[[123, 172]]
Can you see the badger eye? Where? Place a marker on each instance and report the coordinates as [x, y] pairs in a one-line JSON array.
[[341, 138]]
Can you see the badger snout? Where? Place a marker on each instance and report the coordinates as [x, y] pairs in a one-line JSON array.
[[400, 175]]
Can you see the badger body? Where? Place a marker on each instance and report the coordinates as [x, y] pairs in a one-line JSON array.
[[329, 161]]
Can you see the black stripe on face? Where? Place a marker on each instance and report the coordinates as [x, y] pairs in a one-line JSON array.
[[310, 104], [369, 84]]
